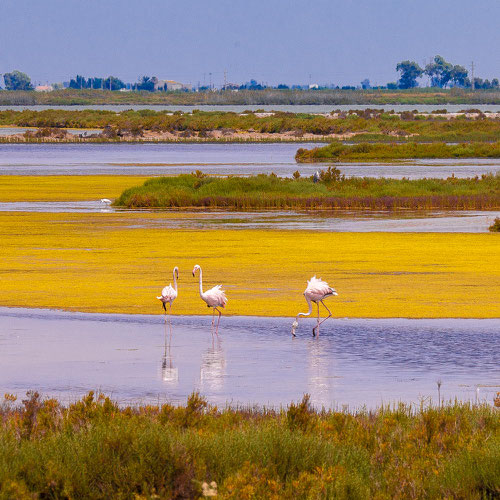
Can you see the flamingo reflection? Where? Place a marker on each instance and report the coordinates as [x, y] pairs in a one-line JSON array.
[[213, 367], [169, 374], [319, 380]]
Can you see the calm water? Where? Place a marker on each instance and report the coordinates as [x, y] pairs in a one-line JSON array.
[[309, 108], [337, 221], [253, 360], [223, 159]]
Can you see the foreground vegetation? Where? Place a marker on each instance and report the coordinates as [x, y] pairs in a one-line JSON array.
[[253, 97], [95, 449], [377, 275], [331, 191], [368, 125], [383, 152]]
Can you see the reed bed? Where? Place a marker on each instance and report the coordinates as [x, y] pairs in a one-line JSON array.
[[95, 449], [253, 97], [338, 152], [332, 191]]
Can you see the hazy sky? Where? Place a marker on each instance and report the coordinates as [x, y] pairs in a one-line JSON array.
[[274, 41]]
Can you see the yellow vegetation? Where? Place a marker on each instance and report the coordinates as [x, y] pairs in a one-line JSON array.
[[64, 187], [118, 263]]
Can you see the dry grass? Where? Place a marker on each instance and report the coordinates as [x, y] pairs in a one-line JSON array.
[[119, 262]]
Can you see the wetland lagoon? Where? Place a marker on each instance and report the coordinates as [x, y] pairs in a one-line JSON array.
[[63, 250], [397, 396]]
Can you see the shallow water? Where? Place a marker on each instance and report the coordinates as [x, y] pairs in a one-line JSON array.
[[136, 359], [296, 108], [222, 159], [337, 221]]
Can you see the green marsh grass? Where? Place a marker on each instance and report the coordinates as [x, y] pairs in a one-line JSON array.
[[338, 152], [94, 448], [331, 192]]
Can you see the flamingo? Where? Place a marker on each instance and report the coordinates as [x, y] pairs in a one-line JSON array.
[[215, 297], [316, 291], [169, 293]]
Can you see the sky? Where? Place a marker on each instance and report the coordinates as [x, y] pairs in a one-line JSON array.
[[271, 41]]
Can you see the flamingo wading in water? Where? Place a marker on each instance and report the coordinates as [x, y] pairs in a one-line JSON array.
[[169, 293], [215, 297], [316, 291]]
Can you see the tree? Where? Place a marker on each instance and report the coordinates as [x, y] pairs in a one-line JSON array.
[[440, 72], [365, 84], [458, 75], [78, 82], [17, 81], [410, 71], [147, 83], [113, 83]]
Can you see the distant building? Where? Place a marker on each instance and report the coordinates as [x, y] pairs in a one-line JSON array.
[[170, 85], [44, 88]]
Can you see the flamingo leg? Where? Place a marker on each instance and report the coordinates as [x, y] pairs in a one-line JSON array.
[[218, 321], [329, 313], [316, 328], [213, 317]]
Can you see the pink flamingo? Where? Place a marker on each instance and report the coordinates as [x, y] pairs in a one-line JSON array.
[[169, 293], [215, 297], [316, 291]]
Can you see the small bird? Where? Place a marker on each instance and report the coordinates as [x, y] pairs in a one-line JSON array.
[[105, 201], [316, 291], [169, 293], [215, 297]]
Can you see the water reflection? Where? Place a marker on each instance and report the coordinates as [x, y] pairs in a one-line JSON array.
[[254, 360], [319, 380], [169, 373], [213, 367]]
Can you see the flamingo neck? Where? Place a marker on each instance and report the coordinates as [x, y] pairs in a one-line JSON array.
[[307, 313], [175, 279], [201, 283]]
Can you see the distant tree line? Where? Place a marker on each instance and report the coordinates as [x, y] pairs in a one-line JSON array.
[[441, 74], [110, 83]]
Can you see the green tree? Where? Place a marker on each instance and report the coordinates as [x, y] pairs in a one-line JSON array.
[[78, 82], [147, 83], [113, 83], [410, 71], [458, 75], [17, 81], [440, 72]]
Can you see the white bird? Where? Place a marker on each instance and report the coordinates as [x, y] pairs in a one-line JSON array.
[[105, 201], [316, 291], [169, 293], [215, 297]]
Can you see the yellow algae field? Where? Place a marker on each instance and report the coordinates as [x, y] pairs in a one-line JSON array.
[[118, 263], [65, 187]]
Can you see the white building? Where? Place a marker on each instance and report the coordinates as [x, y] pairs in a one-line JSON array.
[[170, 85]]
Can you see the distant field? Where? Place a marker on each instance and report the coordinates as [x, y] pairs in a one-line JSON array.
[[118, 263], [332, 191], [254, 97]]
